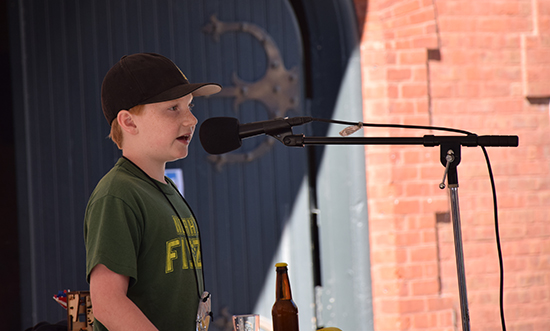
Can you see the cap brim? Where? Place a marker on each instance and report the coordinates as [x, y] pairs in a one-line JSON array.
[[176, 92]]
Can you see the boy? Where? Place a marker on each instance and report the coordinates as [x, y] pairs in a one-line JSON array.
[[143, 263]]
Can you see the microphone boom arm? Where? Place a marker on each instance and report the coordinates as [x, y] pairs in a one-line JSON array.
[[472, 140]]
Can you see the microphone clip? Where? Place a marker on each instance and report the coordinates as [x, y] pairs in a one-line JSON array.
[[293, 140], [278, 128]]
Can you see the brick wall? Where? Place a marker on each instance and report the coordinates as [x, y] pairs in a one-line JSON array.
[[480, 66]]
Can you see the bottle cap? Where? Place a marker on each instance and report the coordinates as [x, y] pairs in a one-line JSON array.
[[281, 264]]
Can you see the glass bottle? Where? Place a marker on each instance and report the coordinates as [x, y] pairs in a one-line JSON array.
[[285, 311]]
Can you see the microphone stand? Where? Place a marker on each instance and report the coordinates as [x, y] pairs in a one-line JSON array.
[[450, 156]]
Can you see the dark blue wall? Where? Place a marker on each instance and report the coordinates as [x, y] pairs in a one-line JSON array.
[[60, 52]]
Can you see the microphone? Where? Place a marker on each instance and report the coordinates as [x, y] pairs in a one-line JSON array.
[[220, 135]]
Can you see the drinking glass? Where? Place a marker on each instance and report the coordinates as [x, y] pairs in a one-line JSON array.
[[250, 322]]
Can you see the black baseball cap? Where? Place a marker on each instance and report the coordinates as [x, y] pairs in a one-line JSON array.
[[144, 78]]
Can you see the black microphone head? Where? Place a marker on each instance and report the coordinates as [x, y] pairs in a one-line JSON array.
[[220, 135]]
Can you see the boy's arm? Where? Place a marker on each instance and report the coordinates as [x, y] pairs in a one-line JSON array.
[[110, 304]]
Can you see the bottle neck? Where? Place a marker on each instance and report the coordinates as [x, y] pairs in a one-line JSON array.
[[282, 290]]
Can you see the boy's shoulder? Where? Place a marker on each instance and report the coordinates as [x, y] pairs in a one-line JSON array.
[[123, 179]]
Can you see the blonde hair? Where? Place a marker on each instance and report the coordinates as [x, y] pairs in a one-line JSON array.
[[116, 131]]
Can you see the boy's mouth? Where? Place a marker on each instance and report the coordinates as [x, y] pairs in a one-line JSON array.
[[186, 138]]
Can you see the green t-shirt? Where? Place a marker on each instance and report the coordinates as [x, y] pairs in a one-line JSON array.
[[131, 228]]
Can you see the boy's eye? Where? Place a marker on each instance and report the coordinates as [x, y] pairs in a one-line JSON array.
[[176, 107]]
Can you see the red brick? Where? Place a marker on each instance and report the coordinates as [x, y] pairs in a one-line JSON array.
[[505, 8], [401, 44], [398, 74], [420, 74], [544, 8], [410, 271], [428, 41], [478, 84], [432, 206], [418, 56], [425, 321], [388, 255], [421, 222], [456, 24], [403, 173], [427, 287], [414, 90], [397, 21], [388, 290], [457, 57], [389, 34], [382, 239], [443, 90], [497, 24], [447, 319], [405, 6], [439, 303], [431, 29], [388, 323], [415, 189], [468, 90], [450, 8], [392, 91], [374, 91], [408, 238], [424, 15], [403, 206], [411, 306], [409, 32], [428, 236], [421, 254], [386, 272]]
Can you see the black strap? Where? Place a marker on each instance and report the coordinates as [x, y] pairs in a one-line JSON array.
[[181, 221]]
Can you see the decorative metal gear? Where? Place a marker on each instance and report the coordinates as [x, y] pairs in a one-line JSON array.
[[278, 90]]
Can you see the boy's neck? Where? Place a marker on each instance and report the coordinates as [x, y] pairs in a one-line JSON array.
[[154, 169]]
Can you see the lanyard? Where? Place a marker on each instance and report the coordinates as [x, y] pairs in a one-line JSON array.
[[181, 221]]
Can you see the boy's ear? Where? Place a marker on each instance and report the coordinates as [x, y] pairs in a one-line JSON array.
[[126, 121]]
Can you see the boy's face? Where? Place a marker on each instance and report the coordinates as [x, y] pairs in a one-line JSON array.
[[166, 128]]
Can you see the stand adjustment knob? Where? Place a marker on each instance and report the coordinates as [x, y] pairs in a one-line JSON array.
[[449, 158]]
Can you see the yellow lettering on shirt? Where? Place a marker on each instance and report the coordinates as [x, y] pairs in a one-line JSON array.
[[178, 225], [171, 254], [196, 253], [184, 228]]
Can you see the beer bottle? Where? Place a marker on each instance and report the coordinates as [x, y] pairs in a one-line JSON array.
[[284, 312]]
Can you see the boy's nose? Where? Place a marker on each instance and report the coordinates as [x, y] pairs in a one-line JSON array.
[[190, 119]]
